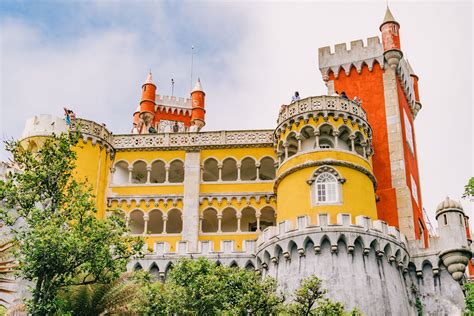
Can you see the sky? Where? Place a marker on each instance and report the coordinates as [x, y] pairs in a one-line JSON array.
[[93, 56]]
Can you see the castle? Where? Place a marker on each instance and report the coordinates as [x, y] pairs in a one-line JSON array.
[[333, 190]]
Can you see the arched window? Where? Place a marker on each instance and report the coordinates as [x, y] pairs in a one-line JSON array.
[[326, 187], [176, 172], [158, 172], [292, 144], [229, 170], [267, 169], [174, 225], [155, 222], [248, 221], [209, 221], [137, 223], [120, 175], [229, 220], [139, 172], [210, 171], [248, 169]]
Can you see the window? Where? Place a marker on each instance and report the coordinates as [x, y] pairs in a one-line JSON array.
[[324, 146], [326, 186], [414, 189], [408, 132]]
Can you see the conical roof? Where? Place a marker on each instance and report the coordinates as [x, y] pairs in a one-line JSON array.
[[149, 78], [388, 18], [198, 86]]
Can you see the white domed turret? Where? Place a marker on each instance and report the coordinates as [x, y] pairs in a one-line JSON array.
[[455, 252]]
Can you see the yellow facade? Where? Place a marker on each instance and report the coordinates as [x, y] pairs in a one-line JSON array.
[[211, 188]]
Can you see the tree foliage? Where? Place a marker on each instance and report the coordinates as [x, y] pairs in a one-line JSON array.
[[469, 189], [200, 287], [309, 299], [469, 300], [54, 224]]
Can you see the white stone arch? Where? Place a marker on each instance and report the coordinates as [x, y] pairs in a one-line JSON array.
[[229, 169], [308, 137], [136, 222], [176, 171], [210, 222], [155, 221], [120, 174], [248, 219], [158, 171], [233, 264], [267, 168], [137, 267], [249, 265], [326, 135], [210, 169], [267, 216], [248, 168], [292, 143], [344, 132], [229, 219], [174, 223], [139, 171], [359, 141]]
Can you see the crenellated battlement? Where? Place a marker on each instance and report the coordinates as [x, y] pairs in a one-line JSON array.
[[165, 100], [356, 56], [367, 229], [44, 125]]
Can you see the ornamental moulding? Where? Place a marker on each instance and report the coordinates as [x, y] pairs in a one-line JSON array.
[[330, 162]]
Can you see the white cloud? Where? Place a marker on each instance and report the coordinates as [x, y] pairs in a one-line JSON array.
[[251, 57]]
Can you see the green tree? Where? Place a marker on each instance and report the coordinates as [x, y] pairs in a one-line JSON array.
[[469, 300], [55, 226], [469, 189], [96, 299], [200, 287], [309, 299]]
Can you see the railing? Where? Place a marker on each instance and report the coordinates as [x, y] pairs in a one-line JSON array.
[[256, 138], [93, 129], [321, 103]]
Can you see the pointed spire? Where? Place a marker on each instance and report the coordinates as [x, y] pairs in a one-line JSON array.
[[149, 78], [388, 18], [198, 86]]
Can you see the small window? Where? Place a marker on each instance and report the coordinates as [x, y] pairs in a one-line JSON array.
[[422, 230], [326, 186], [445, 219], [394, 29], [460, 220], [324, 146]]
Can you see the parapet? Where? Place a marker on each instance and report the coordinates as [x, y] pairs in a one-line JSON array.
[[366, 230], [44, 125], [95, 132], [356, 56], [165, 100]]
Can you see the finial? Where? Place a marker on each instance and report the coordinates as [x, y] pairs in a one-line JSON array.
[[388, 18], [149, 78], [198, 86]]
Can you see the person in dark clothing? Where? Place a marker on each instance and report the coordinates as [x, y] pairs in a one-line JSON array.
[[175, 127], [344, 95], [151, 130]]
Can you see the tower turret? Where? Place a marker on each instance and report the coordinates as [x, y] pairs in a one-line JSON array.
[[147, 103], [414, 80], [198, 111], [455, 252], [391, 39]]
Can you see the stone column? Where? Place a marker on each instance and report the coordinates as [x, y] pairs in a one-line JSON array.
[[130, 169], [165, 220], [238, 171], [167, 174], [112, 171], [258, 214], [298, 138], [285, 145], [127, 220], [364, 144], [336, 138], [219, 223], [257, 165], [191, 199], [148, 174], [316, 144], [239, 216], [200, 223], [352, 137], [145, 227], [219, 166]]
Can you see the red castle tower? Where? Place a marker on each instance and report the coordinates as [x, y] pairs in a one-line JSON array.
[[158, 113], [384, 81]]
